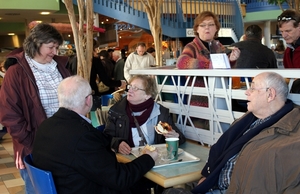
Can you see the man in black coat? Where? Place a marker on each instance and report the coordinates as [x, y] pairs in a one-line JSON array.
[[253, 53], [78, 155]]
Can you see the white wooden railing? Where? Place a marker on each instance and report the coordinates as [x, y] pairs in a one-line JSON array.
[[217, 89]]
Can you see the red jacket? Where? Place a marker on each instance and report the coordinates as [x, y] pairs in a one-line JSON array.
[[21, 108], [289, 62]]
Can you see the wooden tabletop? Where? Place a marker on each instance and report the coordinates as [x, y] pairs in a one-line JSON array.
[[181, 173]]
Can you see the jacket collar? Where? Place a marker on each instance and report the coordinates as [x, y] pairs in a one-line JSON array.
[[285, 125], [289, 124]]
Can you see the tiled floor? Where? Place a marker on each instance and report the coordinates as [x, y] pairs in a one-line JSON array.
[[10, 179]]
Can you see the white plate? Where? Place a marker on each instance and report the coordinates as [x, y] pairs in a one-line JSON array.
[[183, 156]]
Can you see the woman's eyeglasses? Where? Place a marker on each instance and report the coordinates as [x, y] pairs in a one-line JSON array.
[[134, 88], [285, 18], [206, 25]]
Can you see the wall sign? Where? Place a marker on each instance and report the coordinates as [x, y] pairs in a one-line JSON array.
[[124, 26]]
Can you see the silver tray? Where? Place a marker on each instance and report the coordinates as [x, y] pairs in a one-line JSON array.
[[183, 156]]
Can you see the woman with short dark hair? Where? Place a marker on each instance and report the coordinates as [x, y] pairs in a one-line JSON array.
[[29, 90]]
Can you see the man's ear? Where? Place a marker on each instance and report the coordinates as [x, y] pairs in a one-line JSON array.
[[272, 94], [89, 101]]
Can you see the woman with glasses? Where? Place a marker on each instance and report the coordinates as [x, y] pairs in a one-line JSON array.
[[196, 54], [131, 121], [138, 110]]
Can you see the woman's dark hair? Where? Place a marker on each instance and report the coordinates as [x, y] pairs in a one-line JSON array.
[[150, 50], [104, 54], [41, 34]]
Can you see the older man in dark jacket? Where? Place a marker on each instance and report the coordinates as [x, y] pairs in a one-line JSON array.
[[78, 155]]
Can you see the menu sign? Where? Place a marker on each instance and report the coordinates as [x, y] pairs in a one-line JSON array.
[[220, 61]]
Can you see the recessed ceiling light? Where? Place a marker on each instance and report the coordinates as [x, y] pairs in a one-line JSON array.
[[11, 34], [102, 22], [45, 13]]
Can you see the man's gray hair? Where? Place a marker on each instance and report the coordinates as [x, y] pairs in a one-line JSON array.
[[117, 53], [72, 92], [276, 81]]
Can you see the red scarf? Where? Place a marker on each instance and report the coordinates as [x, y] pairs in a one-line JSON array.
[[147, 107]]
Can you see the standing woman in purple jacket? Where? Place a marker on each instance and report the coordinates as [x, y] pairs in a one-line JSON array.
[[29, 90]]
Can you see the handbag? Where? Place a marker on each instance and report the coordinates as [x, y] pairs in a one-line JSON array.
[[102, 87]]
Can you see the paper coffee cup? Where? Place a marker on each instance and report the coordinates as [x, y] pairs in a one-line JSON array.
[[172, 146]]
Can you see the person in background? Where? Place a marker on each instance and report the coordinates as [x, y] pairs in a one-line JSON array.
[[119, 66], [139, 59], [72, 64], [109, 69], [279, 52], [196, 55], [78, 155], [123, 54], [110, 56], [242, 38], [99, 70], [253, 53], [108, 65], [4, 65], [259, 151], [151, 51], [288, 24], [132, 119], [29, 90]]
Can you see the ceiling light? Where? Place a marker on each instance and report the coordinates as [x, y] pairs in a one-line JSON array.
[[107, 20], [45, 13], [11, 34], [102, 22]]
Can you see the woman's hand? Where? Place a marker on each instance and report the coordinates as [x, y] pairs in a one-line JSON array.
[[124, 148], [171, 133], [235, 54]]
